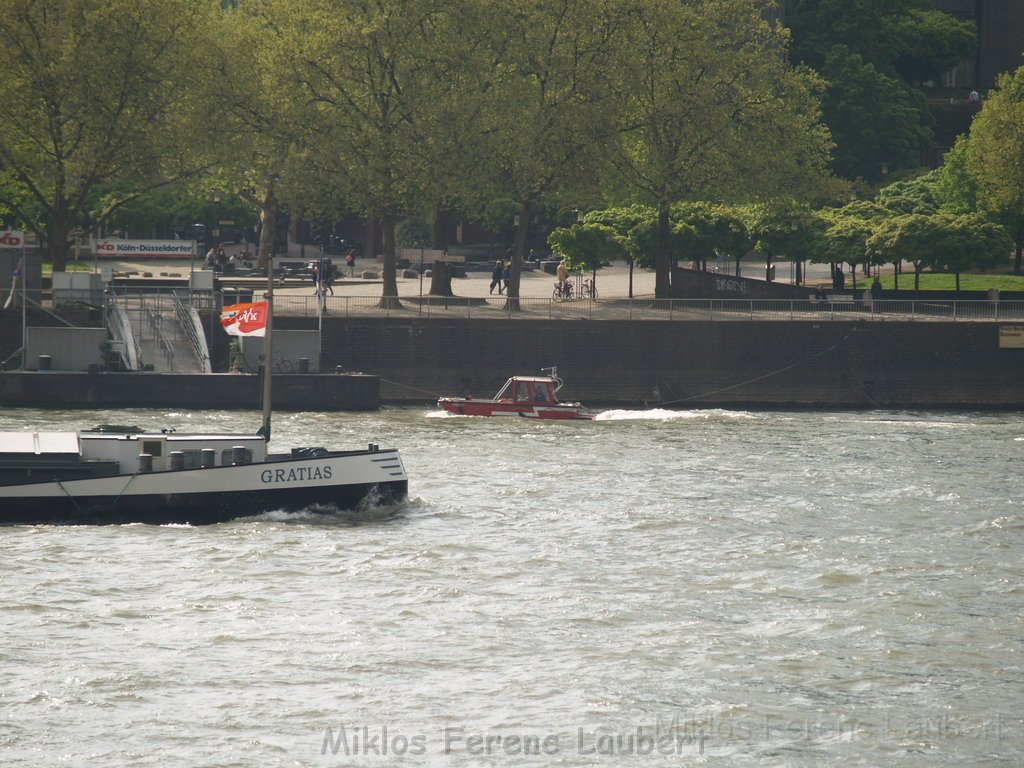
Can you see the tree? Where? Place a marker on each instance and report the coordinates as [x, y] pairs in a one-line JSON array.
[[872, 53], [94, 91], [994, 158], [253, 138], [588, 246], [955, 189], [713, 111], [845, 234], [969, 243], [553, 104], [718, 230], [878, 122], [624, 221], [783, 229], [914, 196], [903, 238]]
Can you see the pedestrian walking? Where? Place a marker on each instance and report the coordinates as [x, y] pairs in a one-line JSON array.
[[350, 262], [506, 276], [496, 276]]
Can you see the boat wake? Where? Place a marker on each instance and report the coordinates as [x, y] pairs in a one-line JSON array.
[[664, 414], [331, 517]]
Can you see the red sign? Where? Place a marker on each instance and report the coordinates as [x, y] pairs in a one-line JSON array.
[[10, 239], [245, 319]]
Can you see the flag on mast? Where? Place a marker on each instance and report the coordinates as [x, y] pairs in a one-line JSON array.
[[245, 319], [14, 283]]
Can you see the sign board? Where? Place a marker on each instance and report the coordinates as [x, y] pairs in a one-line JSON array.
[[11, 239], [1011, 336], [429, 255], [142, 249]]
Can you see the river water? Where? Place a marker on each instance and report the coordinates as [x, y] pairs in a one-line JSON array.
[[652, 588]]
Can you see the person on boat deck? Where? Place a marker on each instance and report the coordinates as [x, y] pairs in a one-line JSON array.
[[522, 391], [539, 393], [496, 275], [562, 273]]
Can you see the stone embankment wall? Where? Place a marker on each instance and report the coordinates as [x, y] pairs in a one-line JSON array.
[[292, 392], [735, 363]]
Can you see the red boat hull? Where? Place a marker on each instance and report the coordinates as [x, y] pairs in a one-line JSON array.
[[544, 411]]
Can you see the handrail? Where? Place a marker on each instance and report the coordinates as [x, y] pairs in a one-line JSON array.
[[190, 323], [669, 310], [120, 329], [157, 326]]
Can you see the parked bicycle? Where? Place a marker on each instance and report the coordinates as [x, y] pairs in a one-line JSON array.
[[563, 291], [589, 290]]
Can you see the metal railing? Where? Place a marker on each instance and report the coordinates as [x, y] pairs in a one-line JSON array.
[[155, 318], [191, 326], [125, 343], [677, 310]]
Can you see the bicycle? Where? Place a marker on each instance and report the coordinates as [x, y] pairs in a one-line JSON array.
[[562, 291], [282, 365], [589, 289]]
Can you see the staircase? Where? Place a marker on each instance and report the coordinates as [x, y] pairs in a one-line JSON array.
[[159, 330]]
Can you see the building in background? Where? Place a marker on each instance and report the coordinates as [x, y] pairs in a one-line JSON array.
[[1000, 41]]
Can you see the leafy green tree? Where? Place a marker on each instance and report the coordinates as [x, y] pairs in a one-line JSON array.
[[94, 91], [910, 237], [955, 189], [994, 158], [719, 230], [905, 197], [588, 246], [929, 42], [624, 221], [713, 111], [845, 234], [969, 243], [357, 75], [783, 229], [872, 53], [551, 104], [878, 122]]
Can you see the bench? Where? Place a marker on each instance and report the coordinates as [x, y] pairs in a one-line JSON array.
[[834, 298]]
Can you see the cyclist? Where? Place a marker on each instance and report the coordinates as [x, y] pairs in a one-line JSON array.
[[562, 273]]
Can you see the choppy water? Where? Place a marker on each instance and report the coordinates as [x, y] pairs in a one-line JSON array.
[[722, 588]]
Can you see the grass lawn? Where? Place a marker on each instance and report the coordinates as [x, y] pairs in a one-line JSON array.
[[943, 282], [72, 266]]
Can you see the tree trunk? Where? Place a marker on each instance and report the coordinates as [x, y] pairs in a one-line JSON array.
[[631, 278], [896, 277], [853, 273], [512, 294], [389, 296], [738, 258], [917, 278], [57, 241], [662, 285], [1018, 257], [768, 268], [268, 229], [957, 282], [440, 274]]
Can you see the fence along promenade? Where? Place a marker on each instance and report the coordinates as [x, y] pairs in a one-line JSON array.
[[670, 310]]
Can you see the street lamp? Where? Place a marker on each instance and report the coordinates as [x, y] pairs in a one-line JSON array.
[[216, 221]]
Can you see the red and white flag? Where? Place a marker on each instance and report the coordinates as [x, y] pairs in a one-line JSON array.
[[245, 319]]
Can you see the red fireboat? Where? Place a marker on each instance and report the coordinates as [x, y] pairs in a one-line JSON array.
[[533, 397]]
